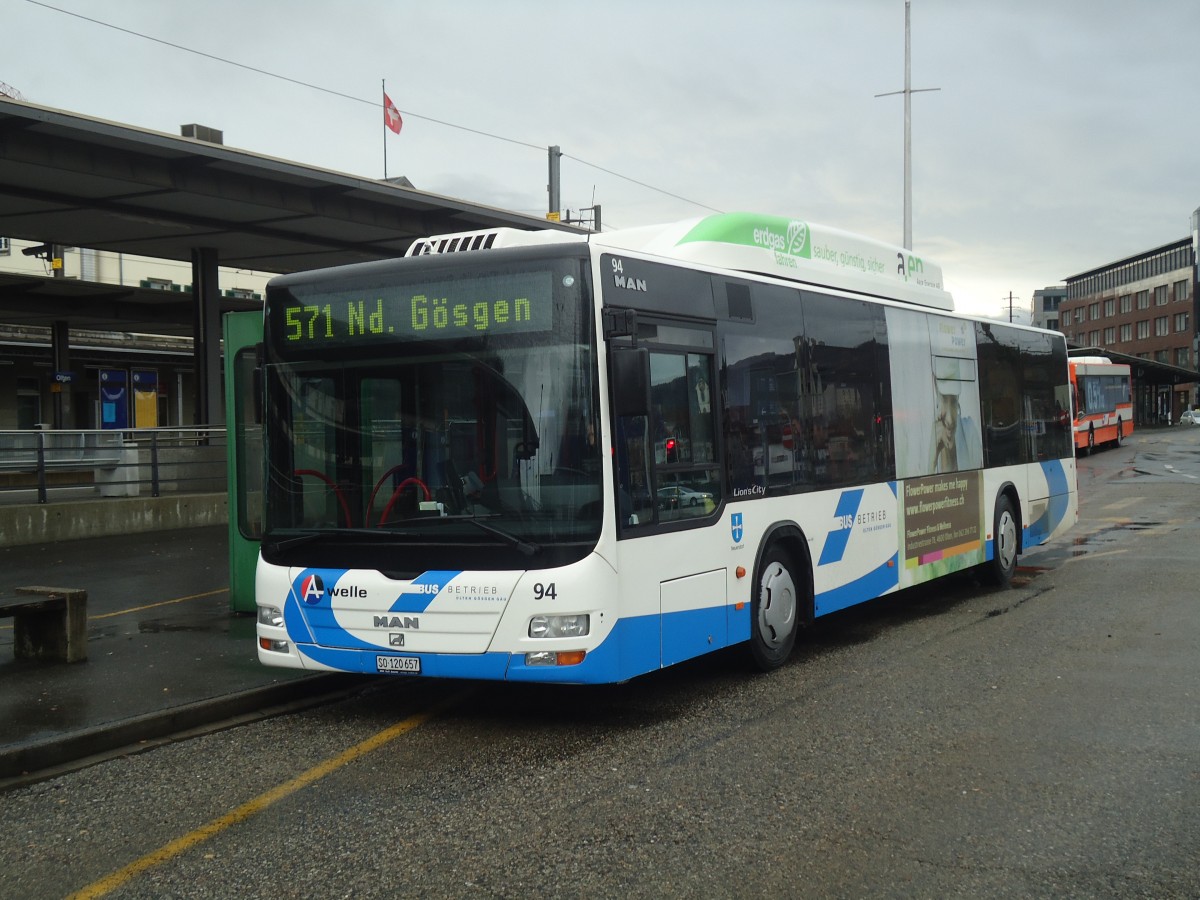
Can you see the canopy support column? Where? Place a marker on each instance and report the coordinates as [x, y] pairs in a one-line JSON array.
[[206, 298]]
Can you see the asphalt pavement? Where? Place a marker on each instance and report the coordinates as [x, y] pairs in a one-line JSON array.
[[165, 655]]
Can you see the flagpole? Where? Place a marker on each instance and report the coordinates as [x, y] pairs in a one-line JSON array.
[[383, 88]]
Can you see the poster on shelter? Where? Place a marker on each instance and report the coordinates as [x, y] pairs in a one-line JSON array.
[[114, 399], [145, 398]]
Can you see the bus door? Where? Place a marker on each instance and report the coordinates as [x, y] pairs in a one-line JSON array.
[[669, 487]]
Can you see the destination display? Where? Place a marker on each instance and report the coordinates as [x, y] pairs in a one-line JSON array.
[[514, 303]]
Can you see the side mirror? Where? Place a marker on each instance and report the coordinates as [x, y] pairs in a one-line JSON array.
[[630, 381]]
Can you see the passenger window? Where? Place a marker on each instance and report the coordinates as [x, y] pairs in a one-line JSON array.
[[635, 505], [682, 416]]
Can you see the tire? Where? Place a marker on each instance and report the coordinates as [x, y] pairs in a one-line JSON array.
[[774, 610], [1000, 568]]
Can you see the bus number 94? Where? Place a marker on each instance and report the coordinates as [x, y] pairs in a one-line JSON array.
[[543, 591]]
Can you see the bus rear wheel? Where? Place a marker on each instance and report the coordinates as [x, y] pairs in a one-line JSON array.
[[1000, 568], [774, 610]]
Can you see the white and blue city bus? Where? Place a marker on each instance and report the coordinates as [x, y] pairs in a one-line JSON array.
[[580, 458]]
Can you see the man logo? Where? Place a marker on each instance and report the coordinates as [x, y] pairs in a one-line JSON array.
[[312, 589], [735, 527]]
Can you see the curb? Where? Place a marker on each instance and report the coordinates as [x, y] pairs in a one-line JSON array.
[[38, 760]]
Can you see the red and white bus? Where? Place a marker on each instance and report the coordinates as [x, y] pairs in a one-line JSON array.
[[1102, 398]]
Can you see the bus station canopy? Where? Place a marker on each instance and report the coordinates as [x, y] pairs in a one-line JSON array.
[[76, 181], [1143, 371], [38, 300]]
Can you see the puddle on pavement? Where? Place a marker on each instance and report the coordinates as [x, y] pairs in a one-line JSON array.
[[1102, 539], [1112, 533]]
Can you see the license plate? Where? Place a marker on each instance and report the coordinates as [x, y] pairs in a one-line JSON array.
[[409, 664]]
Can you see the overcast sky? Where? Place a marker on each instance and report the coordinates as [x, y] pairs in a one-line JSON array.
[[1064, 134]]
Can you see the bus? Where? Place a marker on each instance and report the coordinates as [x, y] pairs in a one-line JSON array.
[[549, 457], [1103, 401]]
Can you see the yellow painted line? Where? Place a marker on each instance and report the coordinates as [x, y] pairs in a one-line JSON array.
[[1090, 556], [125, 612], [1121, 504], [261, 802]]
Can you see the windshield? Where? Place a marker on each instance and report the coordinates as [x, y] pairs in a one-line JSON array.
[[447, 420]]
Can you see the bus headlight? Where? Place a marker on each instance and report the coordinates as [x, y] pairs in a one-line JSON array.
[[559, 626], [555, 658], [270, 615]]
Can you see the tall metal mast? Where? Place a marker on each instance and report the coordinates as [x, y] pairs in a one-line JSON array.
[[907, 92]]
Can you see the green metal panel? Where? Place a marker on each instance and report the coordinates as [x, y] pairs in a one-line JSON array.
[[243, 416]]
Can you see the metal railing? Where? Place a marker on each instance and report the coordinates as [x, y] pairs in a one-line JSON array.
[[71, 464]]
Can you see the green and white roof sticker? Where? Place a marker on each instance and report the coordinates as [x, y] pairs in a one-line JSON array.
[[795, 250]]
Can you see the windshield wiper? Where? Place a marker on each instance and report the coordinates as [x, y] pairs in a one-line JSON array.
[[279, 544], [527, 548]]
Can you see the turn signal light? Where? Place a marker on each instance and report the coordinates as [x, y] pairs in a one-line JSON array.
[[555, 658]]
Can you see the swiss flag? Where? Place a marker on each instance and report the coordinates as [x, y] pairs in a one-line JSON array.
[[391, 115]]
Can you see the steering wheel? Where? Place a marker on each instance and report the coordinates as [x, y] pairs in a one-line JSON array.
[[396, 496], [336, 490], [382, 478]]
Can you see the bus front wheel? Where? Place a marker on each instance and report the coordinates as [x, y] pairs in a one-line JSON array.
[[774, 610], [1000, 568]]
